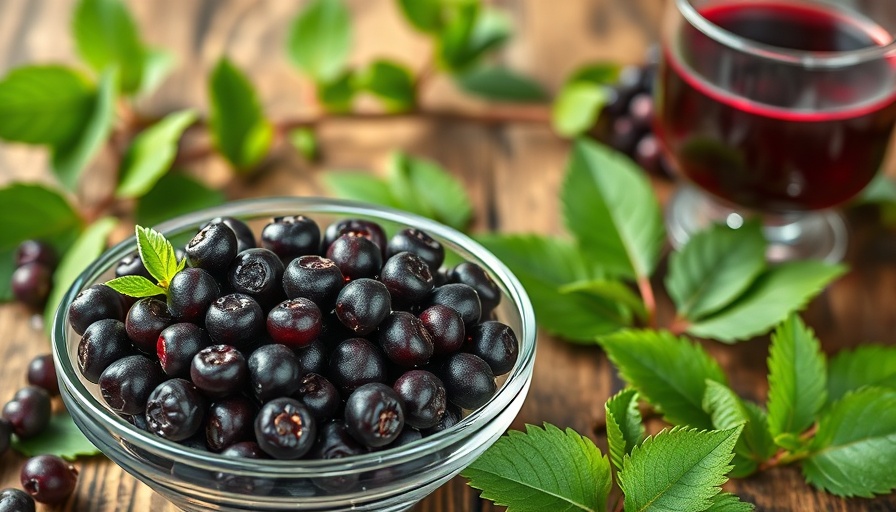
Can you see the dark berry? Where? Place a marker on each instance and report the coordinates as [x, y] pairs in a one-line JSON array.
[[258, 273], [335, 442], [295, 322], [212, 249], [230, 421], [177, 345], [356, 227], [291, 237], [31, 284], [42, 373], [374, 415], [640, 109], [355, 362], [424, 398], [420, 243], [146, 319], [5, 435], [194, 442], [404, 340], [319, 395], [314, 278], [273, 372], [14, 500], [103, 343], [36, 251], [356, 256], [451, 418], [407, 436], [625, 134], [460, 298], [175, 410], [132, 265], [648, 154], [234, 319], [219, 370], [137, 420], [243, 484], [468, 379], [98, 302], [496, 344], [476, 277], [285, 429], [127, 383], [362, 305], [446, 327], [29, 411], [48, 479], [245, 238], [312, 358], [191, 292], [407, 277]]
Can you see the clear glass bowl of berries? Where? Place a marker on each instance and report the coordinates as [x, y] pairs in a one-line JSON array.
[[295, 354]]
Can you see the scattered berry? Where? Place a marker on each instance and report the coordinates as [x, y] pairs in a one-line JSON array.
[[5, 436], [31, 284], [29, 411], [36, 251], [48, 479], [42, 373], [15, 500]]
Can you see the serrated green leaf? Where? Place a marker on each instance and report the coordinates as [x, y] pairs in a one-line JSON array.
[[693, 467], [501, 84], [359, 186], [609, 206], [543, 469], [797, 378], [238, 126], [714, 268], [320, 39], [338, 95], [70, 159], [728, 410], [151, 154], [424, 15], [610, 290], [726, 502], [49, 214], [392, 83], [870, 365], [135, 286], [577, 107], [855, 446], [791, 442], [61, 438], [598, 73], [305, 142], [625, 429], [422, 186], [776, 293], [469, 34], [44, 104], [669, 372], [173, 195], [106, 36], [157, 255], [157, 64]]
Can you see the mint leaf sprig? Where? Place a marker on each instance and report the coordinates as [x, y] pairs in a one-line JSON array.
[[160, 260]]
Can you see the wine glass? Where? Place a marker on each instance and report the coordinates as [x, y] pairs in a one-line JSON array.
[[781, 109]]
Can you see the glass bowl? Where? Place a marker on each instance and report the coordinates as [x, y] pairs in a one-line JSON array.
[[389, 480]]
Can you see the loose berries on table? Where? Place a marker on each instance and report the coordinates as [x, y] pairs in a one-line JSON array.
[[15, 500], [42, 373], [5, 435], [31, 284], [48, 479], [29, 411], [36, 251]]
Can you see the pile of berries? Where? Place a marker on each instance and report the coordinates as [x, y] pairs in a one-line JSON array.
[[33, 277], [314, 345]]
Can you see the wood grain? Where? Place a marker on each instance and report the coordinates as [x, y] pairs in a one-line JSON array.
[[513, 174]]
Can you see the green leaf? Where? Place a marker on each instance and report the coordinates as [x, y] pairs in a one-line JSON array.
[[7, 267], [797, 378], [157, 255], [610, 290], [543, 469], [669, 372], [881, 190], [151, 154], [61, 438], [44, 104], [305, 142], [157, 64], [714, 268], [869, 365], [320, 39], [70, 158], [238, 126], [625, 429], [359, 186], [338, 94], [469, 34], [424, 15], [106, 36], [173, 195], [430, 190], [609, 206], [135, 286], [49, 214], [501, 84], [776, 293], [577, 107], [726, 502], [391, 82], [855, 447], [728, 410], [597, 73], [694, 464]]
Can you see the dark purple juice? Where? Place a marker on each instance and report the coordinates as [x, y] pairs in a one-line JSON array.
[[769, 135]]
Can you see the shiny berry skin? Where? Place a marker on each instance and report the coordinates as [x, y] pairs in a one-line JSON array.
[[362, 305], [234, 319], [468, 379], [175, 410], [219, 370], [335, 442], [5, 435], [476, 277], [445, 326], [355, 362], [95, 303], [404, 340], [319, 395], [42, 373], [295, 322], [424, 398], [36, 251], [314, 278], [285, 429], [48, 479], [103, 343], [356, 256], [31, 284], [230, 421], [407, 436], [191, 292], [132, 265], [146, 319], [649, 155], [243, 484], [356, 227], [15, 500], [177, 345], [626, 134], [245, 238], [420, 243], [212, 249], [127, 383], [374, 415], [407, 277], [273, 372], [291, 237], [313, 357], [640, 109], [28, 413], [460, 298], [259, 274], [496, 344], [451, 418]]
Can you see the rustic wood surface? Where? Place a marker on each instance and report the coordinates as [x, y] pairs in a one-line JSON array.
[[512, 173]]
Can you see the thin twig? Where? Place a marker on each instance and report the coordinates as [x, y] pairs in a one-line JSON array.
[[649, 300]]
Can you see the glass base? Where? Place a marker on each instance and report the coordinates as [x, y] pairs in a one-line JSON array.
[[793, 236]]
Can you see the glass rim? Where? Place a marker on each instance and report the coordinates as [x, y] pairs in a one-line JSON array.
[[803, 58]]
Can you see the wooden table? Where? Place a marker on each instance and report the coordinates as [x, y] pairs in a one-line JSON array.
[[512, 173]]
